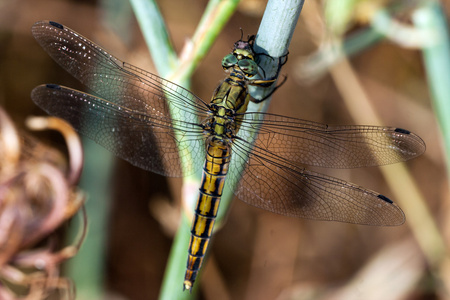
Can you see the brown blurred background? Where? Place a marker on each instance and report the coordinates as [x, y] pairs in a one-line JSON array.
[[256, 255]]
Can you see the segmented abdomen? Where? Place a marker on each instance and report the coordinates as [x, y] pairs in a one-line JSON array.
[[215, 170]]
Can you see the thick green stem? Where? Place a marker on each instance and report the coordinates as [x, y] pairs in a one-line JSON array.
[[273, 38]]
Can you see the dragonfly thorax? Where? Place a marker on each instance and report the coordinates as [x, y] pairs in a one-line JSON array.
[[220, 123]]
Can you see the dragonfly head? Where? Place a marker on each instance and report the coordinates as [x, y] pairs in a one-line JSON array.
[[242, 58]]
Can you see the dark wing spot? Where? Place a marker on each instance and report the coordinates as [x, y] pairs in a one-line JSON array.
[[53, 86], [401, 130], [382, 197], [57, 25]]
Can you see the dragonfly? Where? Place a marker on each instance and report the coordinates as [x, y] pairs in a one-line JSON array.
[[161, 127]]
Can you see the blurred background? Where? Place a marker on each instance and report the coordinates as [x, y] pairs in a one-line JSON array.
[[256, 254]]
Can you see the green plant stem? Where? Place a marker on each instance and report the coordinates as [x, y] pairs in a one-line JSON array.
[[87, 268], [273, 38], [436, 56], [156, 36], [216, 15], [317, 64], [176, 265]]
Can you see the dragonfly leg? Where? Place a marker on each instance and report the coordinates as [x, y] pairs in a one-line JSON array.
[[270, 94], [269, 81]]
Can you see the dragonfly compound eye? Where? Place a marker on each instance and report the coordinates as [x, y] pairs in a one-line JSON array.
[[228, 61], [248, 66]]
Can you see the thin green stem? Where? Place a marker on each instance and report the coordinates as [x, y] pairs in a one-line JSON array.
[[95, 180], [176, 265], [87, 268], [436, 55], [318, 64], [156, 36], [216, 15]]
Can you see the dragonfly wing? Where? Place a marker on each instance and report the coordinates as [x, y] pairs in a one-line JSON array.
[[129, 89], [275, 185], [109, 77], [309, 143], [150, 141]]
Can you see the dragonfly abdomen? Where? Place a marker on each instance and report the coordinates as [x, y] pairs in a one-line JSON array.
[[215, 170]]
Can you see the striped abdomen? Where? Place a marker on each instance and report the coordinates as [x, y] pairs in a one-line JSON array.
[[215, 170]]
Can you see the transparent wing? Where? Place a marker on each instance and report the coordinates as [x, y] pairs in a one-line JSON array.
[[295, 192], [310, 143], [149, 142], [273, 178], [127, 102]]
